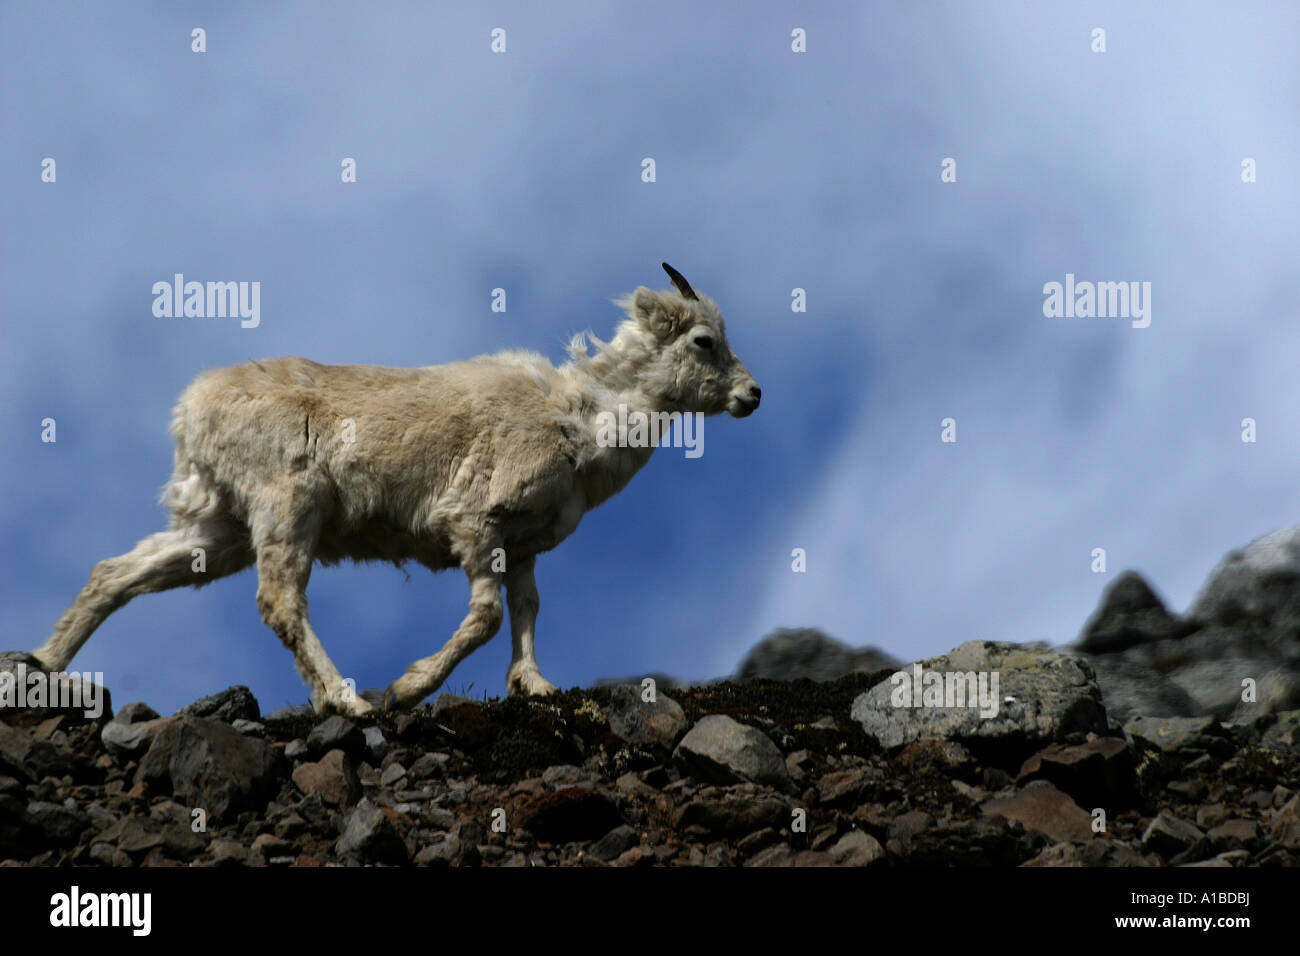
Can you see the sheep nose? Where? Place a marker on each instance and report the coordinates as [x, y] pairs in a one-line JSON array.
[[756, 393]]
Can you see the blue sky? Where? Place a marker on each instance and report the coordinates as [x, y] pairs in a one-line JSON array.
[[775, 171]]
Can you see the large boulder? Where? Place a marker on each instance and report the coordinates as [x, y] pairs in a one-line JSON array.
[[1257, 583], [1245, 624], [207, 764], [791, 653], [1129, 613], [1041, 696]]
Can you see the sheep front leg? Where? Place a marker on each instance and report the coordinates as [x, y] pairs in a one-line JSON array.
[[483, 621], [524, 677]]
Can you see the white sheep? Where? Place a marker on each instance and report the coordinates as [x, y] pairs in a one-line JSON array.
[[481, 464]]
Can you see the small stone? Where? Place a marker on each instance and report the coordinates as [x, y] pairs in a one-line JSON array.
[[135, 712], [55, 824], [1046, 810], [560, 776], [271, 846], [337, 732], [614, 843], [1169, 836], [229, 705], [376, 745], [232, 853], [1211, 815], [1190, 791], [440, 818], [296, 749], [640, 723], [857, 848], [1234, 835], [370, 837], [779, 854], [132, 739], [334, 777], [431, 766], [1172, 734], [718, 749]]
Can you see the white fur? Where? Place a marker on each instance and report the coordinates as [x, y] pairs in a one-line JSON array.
[[452, 465]]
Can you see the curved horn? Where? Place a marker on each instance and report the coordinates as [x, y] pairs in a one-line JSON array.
[[679, 281]]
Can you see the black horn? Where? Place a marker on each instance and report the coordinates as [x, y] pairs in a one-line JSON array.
[[680, 282]]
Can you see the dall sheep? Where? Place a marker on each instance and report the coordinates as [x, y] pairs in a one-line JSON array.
[[481, 464]]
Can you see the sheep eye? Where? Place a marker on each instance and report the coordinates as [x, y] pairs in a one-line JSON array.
[[704, 341]]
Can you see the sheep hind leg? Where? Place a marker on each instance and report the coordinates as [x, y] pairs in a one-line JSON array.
[[283, 569], [193, 554], [425, 676], [524, 677]]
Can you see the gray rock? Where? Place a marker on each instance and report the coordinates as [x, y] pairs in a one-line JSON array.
[[720, 750], [1258, 582], [1175, 733], [136, 712], [337, 733], [370, 837], [376, 745], [1132, 689], [25, 758], [233, 853], [253, 728], [210, 765], [1043, 695], [78, 701], [1169, 836], [132, 739], [229, 705], [100, 817], [55, 824], [1129, 613], [1216, 686], [637, 722], [560, 776], [857, 848], [106, 854], [429, 766], [617, 841], [290, 711], [296, 749], [792, 653]]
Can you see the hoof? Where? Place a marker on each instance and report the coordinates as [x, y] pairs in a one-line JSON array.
[[531, 685]]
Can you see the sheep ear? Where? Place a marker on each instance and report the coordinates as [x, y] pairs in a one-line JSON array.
[[664, 317], [679, 282], [644, 305]]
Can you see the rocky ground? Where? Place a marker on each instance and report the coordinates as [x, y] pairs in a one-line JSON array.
[[1153, 741], [761, 773]]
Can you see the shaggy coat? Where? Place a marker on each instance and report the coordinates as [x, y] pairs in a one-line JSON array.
[[480, 464]]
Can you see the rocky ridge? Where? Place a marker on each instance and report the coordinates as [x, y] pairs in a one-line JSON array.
[[1156, 740]]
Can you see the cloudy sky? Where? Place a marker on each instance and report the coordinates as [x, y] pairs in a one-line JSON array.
[[775, 170]]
